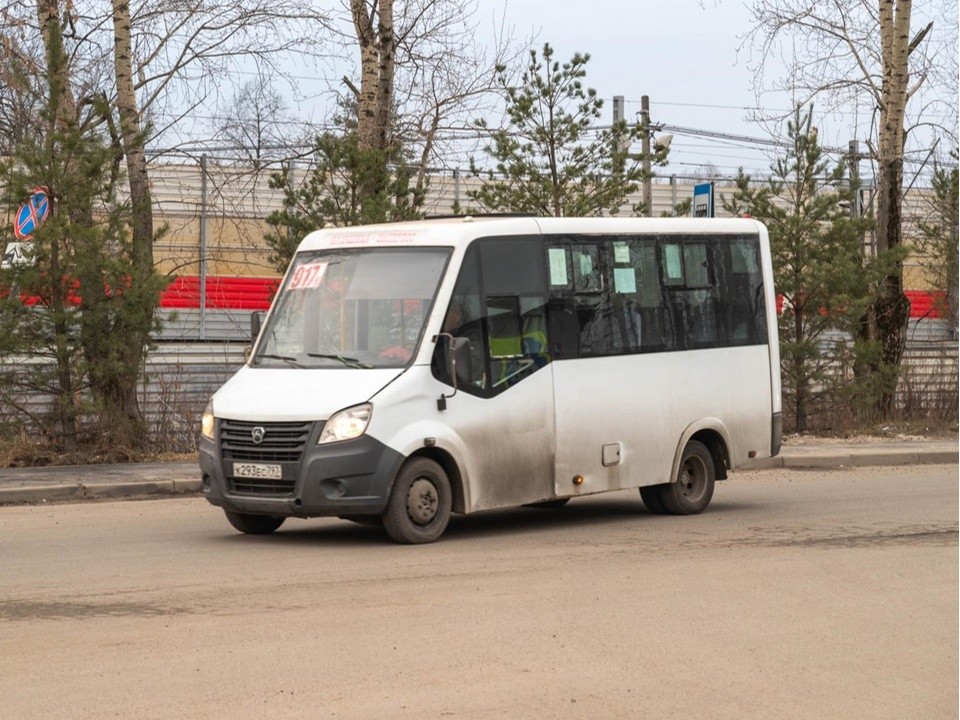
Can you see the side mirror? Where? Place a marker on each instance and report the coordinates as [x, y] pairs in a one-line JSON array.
[[256, 322], [461, 360], [459, 364]]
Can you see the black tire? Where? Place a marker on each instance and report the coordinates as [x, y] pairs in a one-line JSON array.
[[652, 498], [419, 507], [254, 524], [692, 490], [549, 504]]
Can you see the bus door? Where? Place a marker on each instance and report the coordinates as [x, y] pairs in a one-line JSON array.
[[611, 387], [503, 410]]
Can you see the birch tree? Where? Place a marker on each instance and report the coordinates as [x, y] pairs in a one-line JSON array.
[[870, 53], [423, 70]]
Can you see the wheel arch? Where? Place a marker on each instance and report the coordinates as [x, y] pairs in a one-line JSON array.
[[711, 433], [445, 460]]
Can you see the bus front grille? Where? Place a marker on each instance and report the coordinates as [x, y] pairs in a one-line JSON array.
[[278, 441], [251, 446]]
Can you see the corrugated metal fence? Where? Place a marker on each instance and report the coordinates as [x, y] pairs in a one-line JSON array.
[[179, 378]]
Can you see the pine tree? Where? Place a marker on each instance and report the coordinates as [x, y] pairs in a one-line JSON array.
[[820, 272], [549, 159], [345, 186], [69, 313]]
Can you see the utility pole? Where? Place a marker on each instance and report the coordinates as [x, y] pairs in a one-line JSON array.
[[645, 150], [203, 247]]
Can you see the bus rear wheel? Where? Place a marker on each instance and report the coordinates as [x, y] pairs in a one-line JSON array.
[[419, 507], [652, 498], [692, 490]]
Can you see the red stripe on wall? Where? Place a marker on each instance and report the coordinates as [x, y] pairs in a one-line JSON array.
[[256, 293], [924, 304], [223, 293]]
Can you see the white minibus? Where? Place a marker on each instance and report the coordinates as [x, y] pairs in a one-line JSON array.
[[409, 371]]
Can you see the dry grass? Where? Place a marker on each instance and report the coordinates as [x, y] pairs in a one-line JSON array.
[[21, 450]]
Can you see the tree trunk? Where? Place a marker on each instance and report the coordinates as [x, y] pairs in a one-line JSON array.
[[66, 405], [892, 310], [63, 118], [375, 35], [120, 394]]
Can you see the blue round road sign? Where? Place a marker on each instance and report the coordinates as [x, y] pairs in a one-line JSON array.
[[31, 214]]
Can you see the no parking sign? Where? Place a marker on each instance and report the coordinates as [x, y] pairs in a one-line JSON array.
[[29, 217], [32, 213]]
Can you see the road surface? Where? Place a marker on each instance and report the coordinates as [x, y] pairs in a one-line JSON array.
[[799, 594]]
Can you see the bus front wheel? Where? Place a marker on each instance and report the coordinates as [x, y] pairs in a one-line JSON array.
[[692, 491], [253, 524], [419, 507]]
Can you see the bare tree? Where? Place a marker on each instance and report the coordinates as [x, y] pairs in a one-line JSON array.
[[424, 71], [447, 79], [149, 64], [855, 52], [256, 123], [22, 86]]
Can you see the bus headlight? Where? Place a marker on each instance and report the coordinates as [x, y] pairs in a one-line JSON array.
[[346, 424], [206, 421]]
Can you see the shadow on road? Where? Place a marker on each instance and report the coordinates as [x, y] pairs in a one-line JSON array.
[[577, 516]]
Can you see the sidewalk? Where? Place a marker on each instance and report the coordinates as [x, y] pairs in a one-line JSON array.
[[86, 482]]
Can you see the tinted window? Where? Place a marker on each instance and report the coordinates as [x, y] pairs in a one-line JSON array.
[[498, 305], [646, 294]]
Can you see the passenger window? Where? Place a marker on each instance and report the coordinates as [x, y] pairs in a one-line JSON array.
[[672, 261], [696, 273], [586, 268]]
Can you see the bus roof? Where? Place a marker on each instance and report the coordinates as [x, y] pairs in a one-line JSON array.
[[456, 231]]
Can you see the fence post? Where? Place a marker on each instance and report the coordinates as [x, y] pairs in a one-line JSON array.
[[645, 149], [456, 187], [203, 247]]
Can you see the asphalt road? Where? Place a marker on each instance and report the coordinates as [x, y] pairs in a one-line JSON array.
[[799, 594]]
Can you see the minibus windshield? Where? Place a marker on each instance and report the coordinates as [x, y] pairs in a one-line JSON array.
[[352, 308]]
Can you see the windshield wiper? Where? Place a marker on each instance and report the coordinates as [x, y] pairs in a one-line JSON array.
[[292, 362], [348, 361]]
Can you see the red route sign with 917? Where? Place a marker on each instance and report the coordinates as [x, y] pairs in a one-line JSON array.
[[308, 276]]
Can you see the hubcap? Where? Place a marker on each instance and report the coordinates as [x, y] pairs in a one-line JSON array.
[[693, 479], [422, 501]]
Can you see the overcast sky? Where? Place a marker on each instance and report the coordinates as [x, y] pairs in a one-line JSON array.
[[684, 55]]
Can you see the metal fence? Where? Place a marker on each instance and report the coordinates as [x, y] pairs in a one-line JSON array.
[[179, 378], [215, 212]]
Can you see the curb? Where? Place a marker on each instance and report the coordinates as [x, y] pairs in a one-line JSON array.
[[79, 492], [893, 458], [99, 491]]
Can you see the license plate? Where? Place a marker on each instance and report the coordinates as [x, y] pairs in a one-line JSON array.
[[257, 470]]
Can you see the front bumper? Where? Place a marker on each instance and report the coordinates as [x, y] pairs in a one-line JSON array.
[[353, 477]]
